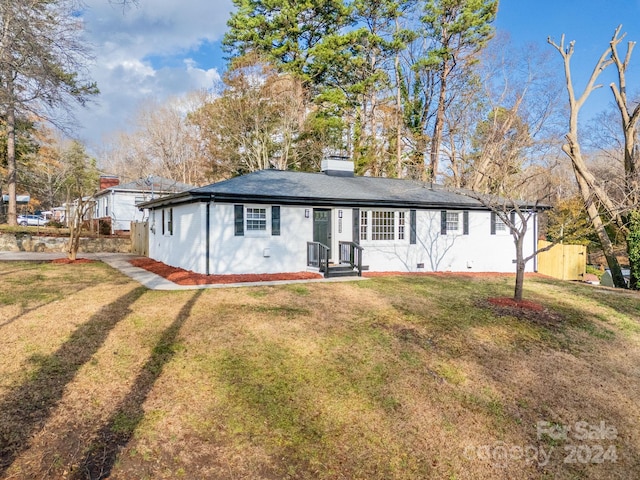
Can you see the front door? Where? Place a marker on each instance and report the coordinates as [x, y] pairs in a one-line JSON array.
[[322, 226]]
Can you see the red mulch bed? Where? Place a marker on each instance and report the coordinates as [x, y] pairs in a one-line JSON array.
[[511, 303], [452, 274], [186, 277], [526, 310], [67, 261]]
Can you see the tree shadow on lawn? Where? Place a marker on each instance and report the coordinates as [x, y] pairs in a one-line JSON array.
[[49, 291], [118, 430], [583, 377], [25, 409], [25, 311]]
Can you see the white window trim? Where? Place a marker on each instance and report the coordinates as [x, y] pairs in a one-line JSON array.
[[504, 231], [257, 233], [501, 227], [168, 222], [366, 216], [458, 228]]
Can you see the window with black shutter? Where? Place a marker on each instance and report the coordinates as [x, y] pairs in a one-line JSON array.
[[238, 212], [412, 227], [275, 220], [355, 234]]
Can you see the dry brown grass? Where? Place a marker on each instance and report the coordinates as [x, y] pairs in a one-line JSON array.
[[394, 377]]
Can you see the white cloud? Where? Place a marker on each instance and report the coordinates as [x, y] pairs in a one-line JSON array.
[[147, 51]]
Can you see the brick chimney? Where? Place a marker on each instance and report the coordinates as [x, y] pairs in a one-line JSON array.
[[107, 181]]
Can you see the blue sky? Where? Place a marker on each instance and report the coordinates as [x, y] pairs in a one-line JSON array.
[[590, 23], [164, 48]]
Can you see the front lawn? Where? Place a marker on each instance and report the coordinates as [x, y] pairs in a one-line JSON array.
[[392, 377]]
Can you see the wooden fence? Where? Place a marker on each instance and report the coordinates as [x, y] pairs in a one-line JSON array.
[[140, 238], [566, 262]]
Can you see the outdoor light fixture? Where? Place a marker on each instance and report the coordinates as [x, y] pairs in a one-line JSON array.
[[306, 213], [339, 213]]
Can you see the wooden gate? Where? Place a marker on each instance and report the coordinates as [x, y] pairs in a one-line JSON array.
[[140, 238], [566, 262]]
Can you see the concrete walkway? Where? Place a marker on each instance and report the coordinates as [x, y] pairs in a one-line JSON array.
[[120, 261]]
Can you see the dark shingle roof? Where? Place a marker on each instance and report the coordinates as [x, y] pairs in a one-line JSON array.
[[288, 187], [152, 183]]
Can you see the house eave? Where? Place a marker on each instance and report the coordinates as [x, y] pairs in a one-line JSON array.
[[176, 199], [190, 197]]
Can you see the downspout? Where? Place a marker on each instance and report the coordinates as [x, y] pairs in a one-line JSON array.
[[111, 212], [535, 242], [207, 240]]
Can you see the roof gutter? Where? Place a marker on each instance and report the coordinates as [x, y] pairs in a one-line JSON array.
[[191, 197], [176, 199]]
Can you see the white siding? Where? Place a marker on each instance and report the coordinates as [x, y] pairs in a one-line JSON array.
[[262, 252], [121, 208], [259, 252], [124, 210], [479, 251], [186, 247]]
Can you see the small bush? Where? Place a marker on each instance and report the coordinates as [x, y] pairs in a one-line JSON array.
[[104, 226], [55, 224], [595, 271]]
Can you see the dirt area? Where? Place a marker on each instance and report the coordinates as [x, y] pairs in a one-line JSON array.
[[507, 302], [186, 277], [66, 261], [525, 310]]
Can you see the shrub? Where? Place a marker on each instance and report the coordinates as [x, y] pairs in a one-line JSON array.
[[595, 271], [55, 224], [104, 226]]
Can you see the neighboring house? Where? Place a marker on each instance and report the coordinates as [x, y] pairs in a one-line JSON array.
[[119, 201], [274, 221]]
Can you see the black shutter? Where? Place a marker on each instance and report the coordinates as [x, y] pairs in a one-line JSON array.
[[493, 223], [356, 226], [238, 211], [513, 218], [171, 221], [163, 221], [275, 220], [465, 222], [412, 227], [443, 222]]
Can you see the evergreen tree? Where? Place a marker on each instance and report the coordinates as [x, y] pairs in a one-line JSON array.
[[459, 30]]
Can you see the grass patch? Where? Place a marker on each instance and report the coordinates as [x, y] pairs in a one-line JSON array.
[[450, 373], [392, 378]]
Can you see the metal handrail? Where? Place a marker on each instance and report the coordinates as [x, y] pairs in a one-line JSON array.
[[318, 256], [351, 253]]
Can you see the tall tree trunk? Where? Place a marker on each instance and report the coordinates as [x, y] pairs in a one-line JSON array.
[[589, 190], [396, 64], [436, 139], [520, 266], [572, 149], [603, 236], [11, 165], [631, 185]]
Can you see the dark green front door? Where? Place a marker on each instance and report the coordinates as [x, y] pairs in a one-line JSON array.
[[322, 227]]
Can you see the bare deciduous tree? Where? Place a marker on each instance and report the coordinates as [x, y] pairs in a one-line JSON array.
[[255, 122], [81, 184], [42, 57], [162, 142], [593, 195], [523, 196]]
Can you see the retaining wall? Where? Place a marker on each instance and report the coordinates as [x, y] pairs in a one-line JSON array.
[[25, 242]]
